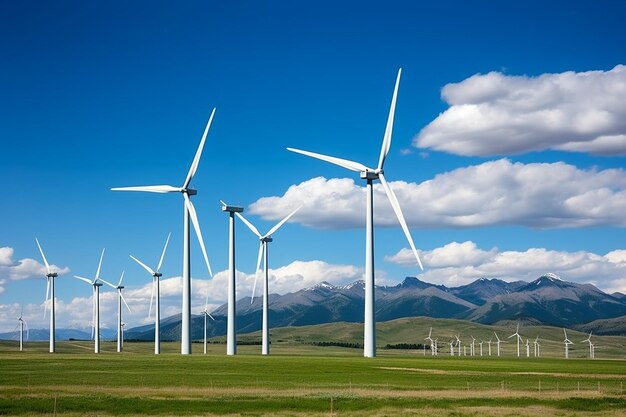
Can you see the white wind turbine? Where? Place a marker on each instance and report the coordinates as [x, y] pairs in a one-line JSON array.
[[50, 276], [489, 345], [231, 324], [480, 344], [206, 314], [458, 344], [472, 346], [452, 347], [436, 348], [120, 299], [123, 326], [518, 338], [189, 212], [527, 348], [430, 332], [588, 339], [567, 342], [21, 324], [96, 284], [370, 174], [498, 341], [263, 252], [536, 345], [156, 291]]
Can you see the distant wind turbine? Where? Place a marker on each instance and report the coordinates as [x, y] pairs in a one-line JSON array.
[[96, 284], [458, 344], [480, 344], [489, 345], [263, 252], [518, 338], [432, 352], [206, 314], [527, 348], [498, 341], [452, 347], [588, 339], [50, 276], [120, 299], [231, 325], [472, 346], [536, 344], [156, 292], [567, 342], [189, 213], [371, 174], [21, 323]]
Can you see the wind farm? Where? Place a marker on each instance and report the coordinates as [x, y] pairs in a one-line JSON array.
[[481, 149]]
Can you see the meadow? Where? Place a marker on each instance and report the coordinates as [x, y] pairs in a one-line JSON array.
[[299, 380]]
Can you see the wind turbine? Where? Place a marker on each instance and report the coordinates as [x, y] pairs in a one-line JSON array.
[[489, 345], [498, 341], [480, 344], [567, 342], [472, 346], [123, 325], [518, 338], [120, 298], [588, 339], [458, 344], [536, 344], [50, 276], [527, 348], [263, 251], [452, 347], [156, 290], [371, 174], [21, 323], [432, 352], [231, 325], [189, 212], [436, 347], [96, 284], [206, 314]]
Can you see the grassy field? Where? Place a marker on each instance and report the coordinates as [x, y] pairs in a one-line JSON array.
[[299, 380]]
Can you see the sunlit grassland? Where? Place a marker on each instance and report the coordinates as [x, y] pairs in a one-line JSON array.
[[299, 379]]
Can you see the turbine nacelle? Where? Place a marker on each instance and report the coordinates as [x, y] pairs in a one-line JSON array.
[[371, 175], [266, 239], [189, 191]]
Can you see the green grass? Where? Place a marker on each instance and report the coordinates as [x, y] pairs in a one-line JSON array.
[[298, 379]]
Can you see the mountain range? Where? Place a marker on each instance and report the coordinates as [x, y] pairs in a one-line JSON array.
[[548, 300]]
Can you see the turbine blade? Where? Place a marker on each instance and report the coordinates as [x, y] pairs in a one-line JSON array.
[[88, 281], [209, 314], [121, 278], [196, 226], [99, 266], [125, 303], [345, 163], [196, 159], [258, 268], [108, 283], [280, 223], [152, 295], [144, 266], [387, 138], [250, 225], [163, 253], [396, 208], [45, 261], [161, 189]]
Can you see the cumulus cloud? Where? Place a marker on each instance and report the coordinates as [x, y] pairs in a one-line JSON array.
[[497, 114], [542, 195], [23, 269], [461, 263]]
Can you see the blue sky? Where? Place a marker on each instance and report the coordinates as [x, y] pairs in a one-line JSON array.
[[96, 95]]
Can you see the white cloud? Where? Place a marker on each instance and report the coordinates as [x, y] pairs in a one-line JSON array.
[[461, 263], [497, 114], [543, 195], [23, 269]]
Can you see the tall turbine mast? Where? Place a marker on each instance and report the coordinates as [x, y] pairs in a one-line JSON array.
[[263, 252], [96, 284], [120, 299], [189, 214], [50, 276], [231, 327], [370, 175]]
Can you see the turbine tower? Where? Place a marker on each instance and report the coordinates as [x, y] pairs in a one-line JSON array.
[[518, 338], [567, 342], [452, 347], [527, 348], [536, 345], [120, 299], [231, 326], [489, 345], [95, 317], [189, 212], [588, 339], [50, 276], [480, 345], [156, 290], [263, 251], [472, 346], [458, 344], [370, 174]]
